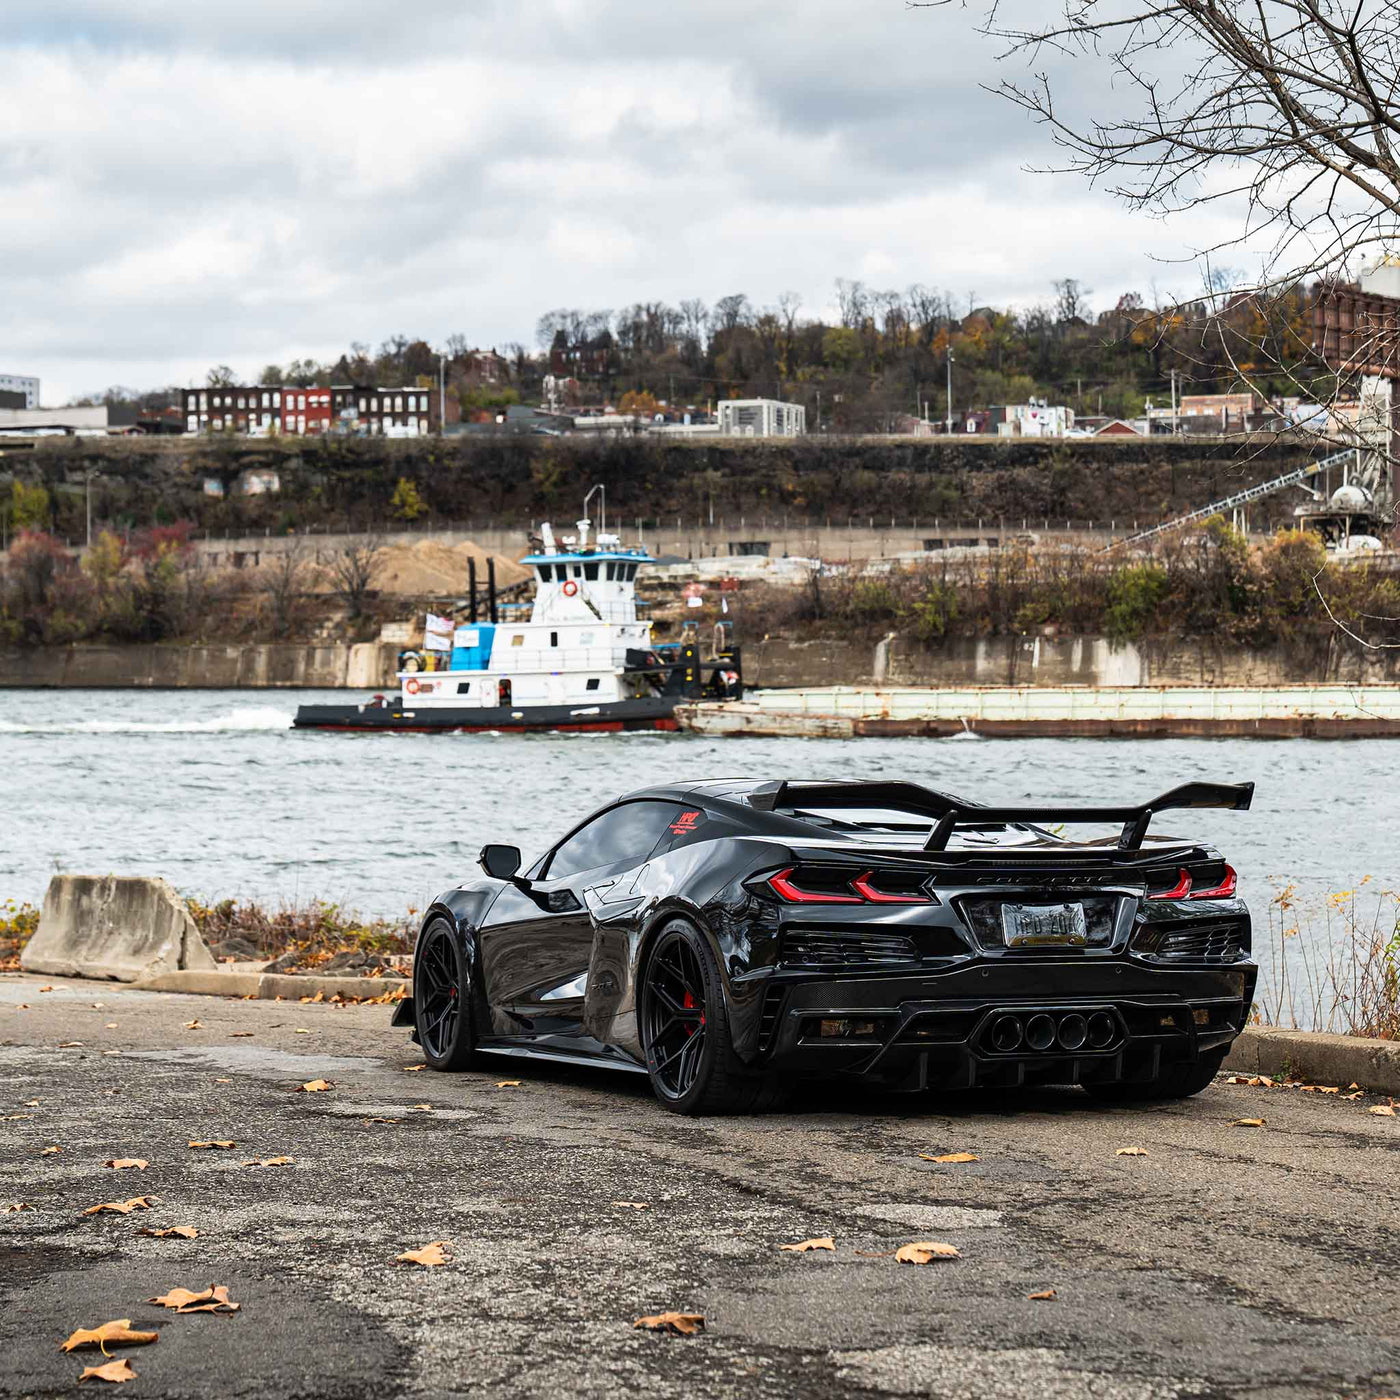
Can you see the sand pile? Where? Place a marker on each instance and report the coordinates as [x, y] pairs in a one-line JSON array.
[[429, 567]]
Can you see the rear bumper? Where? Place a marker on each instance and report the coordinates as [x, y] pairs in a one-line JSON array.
[[1112, 1021]]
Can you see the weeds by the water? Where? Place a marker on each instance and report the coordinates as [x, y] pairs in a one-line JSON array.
[[17, 923], [1347, 981], [314, 932]]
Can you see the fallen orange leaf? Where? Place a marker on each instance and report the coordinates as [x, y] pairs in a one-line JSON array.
[[13, 1207], [1042, 1297], [121, 1207], [413, 1069], [678, 1323], [270, 1162], [825, 1242], [1246, 1122], [46, 989], [1131, 1152], [507, 1084], [1384, 1109], [430, 1256], [195, 1025], [116, 1333], [119, 1163], [49, 1151], [184, 1232], [215, 1142], [925, 1252], [115, 1371], [951, 1157], [181, 1300], [423, 1107], [314, 1086], [631, 1205]]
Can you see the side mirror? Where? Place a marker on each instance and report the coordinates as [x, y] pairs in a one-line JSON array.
[[499, 862]]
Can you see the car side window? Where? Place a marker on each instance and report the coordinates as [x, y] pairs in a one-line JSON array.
[[626, 833]]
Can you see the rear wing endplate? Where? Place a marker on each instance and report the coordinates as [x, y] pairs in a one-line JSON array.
[[948, 812]]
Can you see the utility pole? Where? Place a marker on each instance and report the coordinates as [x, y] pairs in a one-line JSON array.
[[442, 394], [949, 425], [1175, 423], [89, 508]]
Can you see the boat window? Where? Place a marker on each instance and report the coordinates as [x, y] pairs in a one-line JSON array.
[[554, 639], [546, 573], [577, 571], [610, 572], [631, 572], [464, 687], [518, 640], [590, 571], [592, 683], [621, 835]]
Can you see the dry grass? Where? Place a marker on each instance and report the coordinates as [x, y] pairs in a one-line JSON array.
[[1345, 979], [314, 931], [17, 924]]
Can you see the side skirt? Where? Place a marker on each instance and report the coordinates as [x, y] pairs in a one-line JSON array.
[[526, 1052]]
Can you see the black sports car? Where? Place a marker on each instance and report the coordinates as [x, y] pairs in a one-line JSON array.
[[728, 937]]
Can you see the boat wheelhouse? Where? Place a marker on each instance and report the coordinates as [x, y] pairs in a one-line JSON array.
[[583, 659]]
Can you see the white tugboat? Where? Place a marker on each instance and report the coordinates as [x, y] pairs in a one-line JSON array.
[[582, 662]]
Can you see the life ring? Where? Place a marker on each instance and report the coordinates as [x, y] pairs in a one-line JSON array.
[[570, 588], [411, 686]]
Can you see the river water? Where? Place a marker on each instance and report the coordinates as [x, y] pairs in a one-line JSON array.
[[214, 791]]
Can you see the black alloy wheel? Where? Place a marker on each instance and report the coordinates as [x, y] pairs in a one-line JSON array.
[[441, 1011], [683, 1015], [675, 1025]]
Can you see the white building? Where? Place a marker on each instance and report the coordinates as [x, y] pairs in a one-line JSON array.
[[1035, 420], [21, 384], [761, 418], [85, 422]]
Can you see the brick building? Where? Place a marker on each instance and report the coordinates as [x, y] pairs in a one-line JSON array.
[[313, 409]]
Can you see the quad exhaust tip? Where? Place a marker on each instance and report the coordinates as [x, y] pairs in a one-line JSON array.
[[1042, 1031]]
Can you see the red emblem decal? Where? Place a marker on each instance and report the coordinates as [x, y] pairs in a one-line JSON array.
[[685, 823]]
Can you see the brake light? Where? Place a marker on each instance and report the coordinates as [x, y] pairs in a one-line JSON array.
[[862, 886], [782, 886], [1224, 890], [862, 892], [1180, 890]]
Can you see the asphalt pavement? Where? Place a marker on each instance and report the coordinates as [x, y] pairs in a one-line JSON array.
[[1226, 1261]]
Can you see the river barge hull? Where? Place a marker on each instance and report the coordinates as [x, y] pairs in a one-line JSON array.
[[393, 718]]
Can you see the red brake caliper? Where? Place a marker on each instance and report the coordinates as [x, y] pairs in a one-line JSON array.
[[689, 1004]]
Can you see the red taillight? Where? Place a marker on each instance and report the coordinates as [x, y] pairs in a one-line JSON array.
[[863, 892], [782, 886], [1224, 890], [862, 886], [1180, 890]]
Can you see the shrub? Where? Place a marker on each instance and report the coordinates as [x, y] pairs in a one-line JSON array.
[[1134, 595]]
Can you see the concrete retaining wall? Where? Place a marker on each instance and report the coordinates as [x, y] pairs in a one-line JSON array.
[[116, 927], [366, 665]]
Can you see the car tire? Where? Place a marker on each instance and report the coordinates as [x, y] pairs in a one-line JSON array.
[[684, 1021], [1175, 1082], [442, 1013]]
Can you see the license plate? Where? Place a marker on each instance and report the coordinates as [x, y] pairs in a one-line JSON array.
[[1044, 925]]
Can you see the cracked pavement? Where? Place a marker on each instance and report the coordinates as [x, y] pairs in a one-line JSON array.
[[1229, 1261]]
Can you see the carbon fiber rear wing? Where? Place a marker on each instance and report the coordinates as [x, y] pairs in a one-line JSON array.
[[948, 812]]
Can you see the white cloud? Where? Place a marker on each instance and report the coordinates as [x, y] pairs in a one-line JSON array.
[[193, 184]]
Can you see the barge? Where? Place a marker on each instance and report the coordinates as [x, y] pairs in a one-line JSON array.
[[583, 662]]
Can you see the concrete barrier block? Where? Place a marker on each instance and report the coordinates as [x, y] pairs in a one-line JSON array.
[[121, 928]]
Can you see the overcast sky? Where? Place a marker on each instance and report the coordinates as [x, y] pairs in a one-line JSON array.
[[188, 184]]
